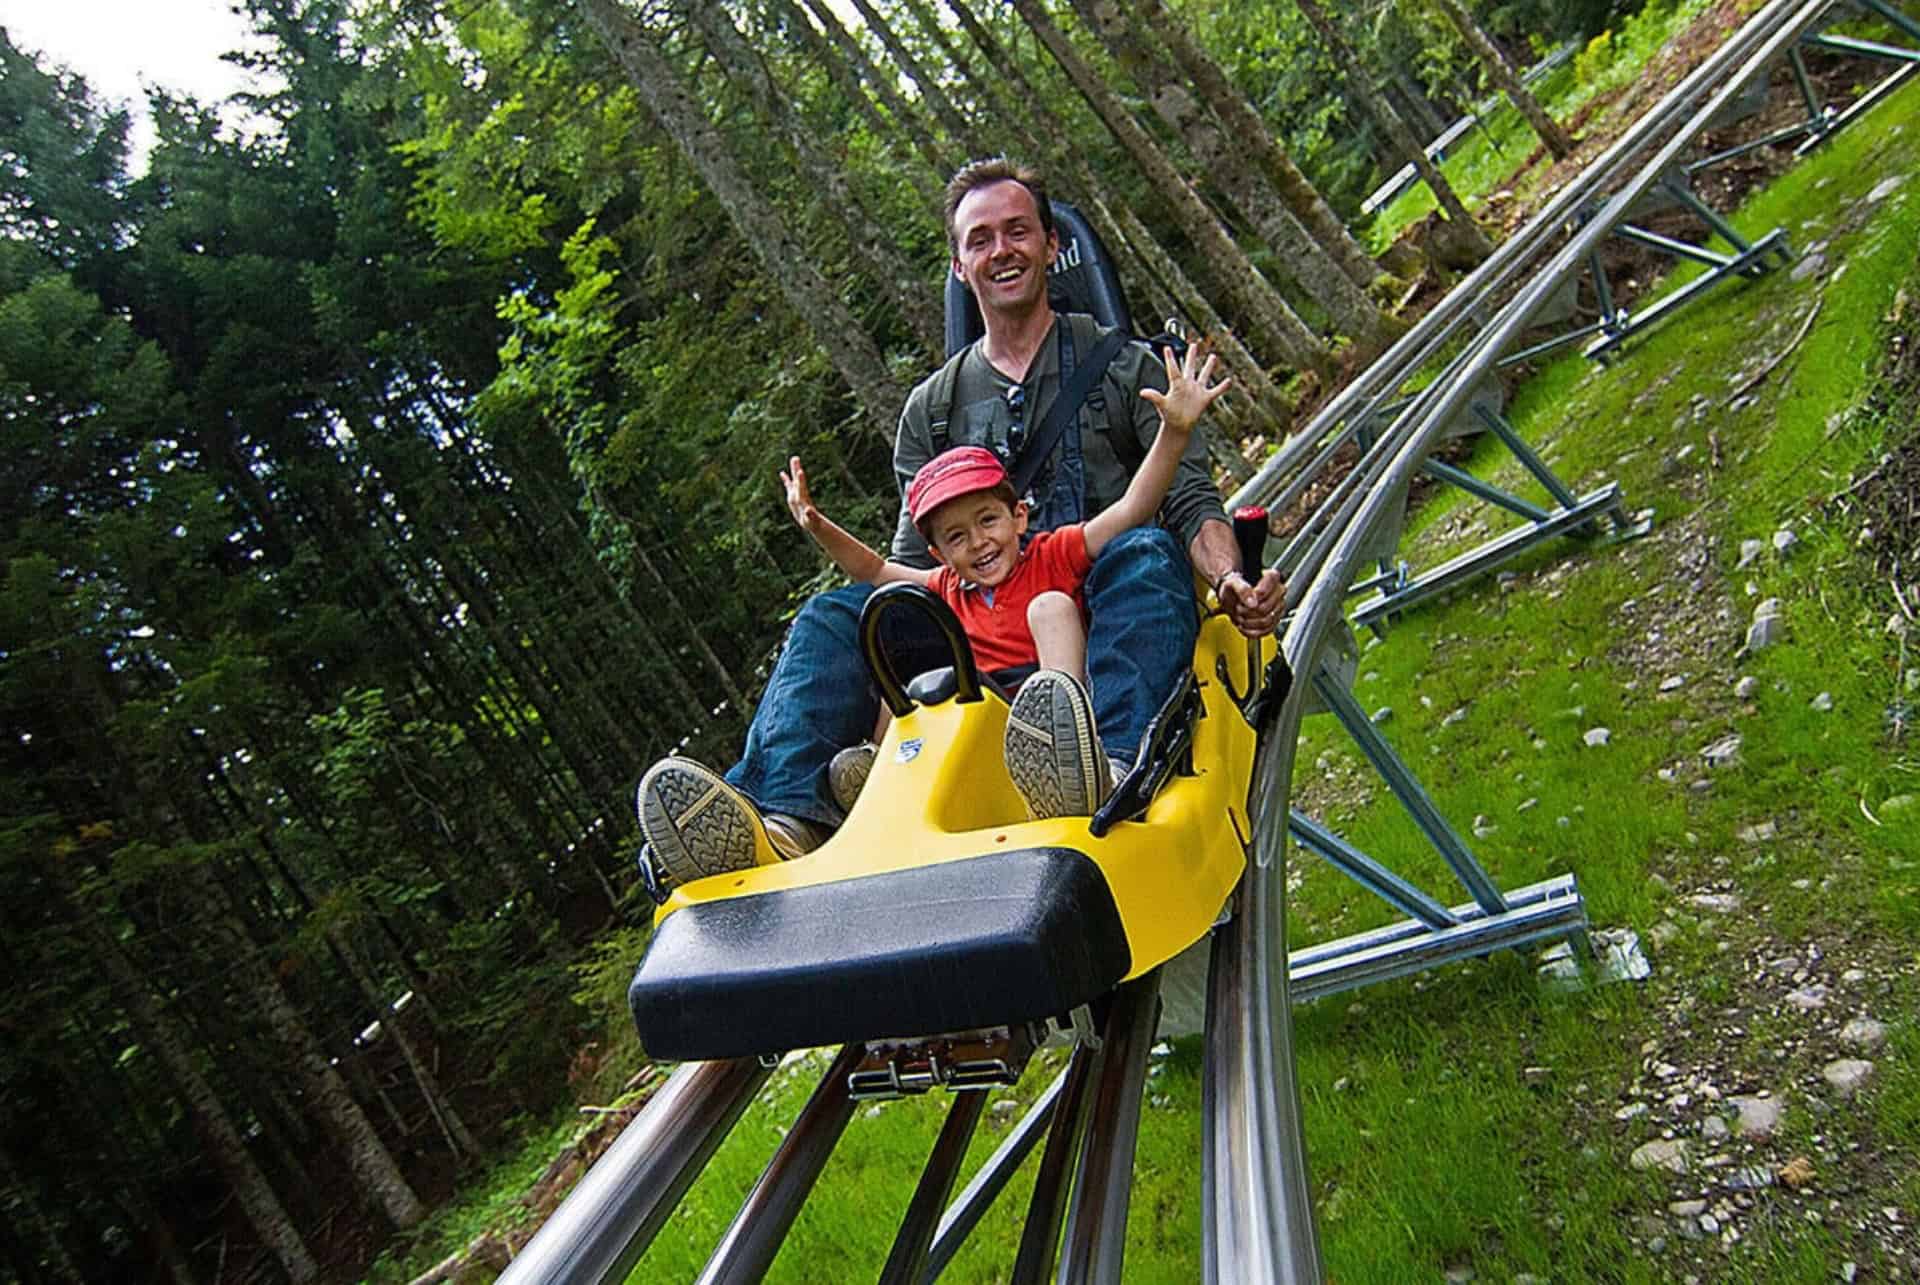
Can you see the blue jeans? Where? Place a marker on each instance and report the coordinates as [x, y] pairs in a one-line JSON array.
[[821, 698]]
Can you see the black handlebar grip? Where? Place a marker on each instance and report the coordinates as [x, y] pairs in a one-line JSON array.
[[1250, 533]]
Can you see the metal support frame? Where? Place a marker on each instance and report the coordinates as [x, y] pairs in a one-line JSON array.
[[1823, 122], [1040, 1235], [965, 1213], [1496, 552], [1377, 879], [1096, 1237], [1433, 933], [1541, 912], [1573, 515], [1406, 788], [908, 1261], [1616, 325]]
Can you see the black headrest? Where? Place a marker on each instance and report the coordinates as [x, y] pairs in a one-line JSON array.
[[1082, 280]]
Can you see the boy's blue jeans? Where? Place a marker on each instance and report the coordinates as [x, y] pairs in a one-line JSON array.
[[821, 698]]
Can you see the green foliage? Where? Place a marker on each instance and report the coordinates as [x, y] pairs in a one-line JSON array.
[[1594, 60], [1544, 23], [601, 976], [491, 1205], [1614, 56], [63, 180]]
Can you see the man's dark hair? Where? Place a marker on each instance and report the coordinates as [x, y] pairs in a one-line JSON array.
[[995, 169], [1002, 492]]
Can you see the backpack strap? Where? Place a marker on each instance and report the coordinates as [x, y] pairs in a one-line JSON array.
[[1119, 425], [1067, 405], [940, 394]]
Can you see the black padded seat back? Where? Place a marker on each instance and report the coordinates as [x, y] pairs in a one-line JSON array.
[[1082, 280], [953, 946]]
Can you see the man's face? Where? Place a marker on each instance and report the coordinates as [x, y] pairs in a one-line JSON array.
[[1000, 249], [978, 536]]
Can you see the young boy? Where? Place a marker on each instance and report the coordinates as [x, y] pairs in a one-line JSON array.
[[1021, 606]]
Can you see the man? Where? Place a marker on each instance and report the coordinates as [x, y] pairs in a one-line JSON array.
[[776, 803]]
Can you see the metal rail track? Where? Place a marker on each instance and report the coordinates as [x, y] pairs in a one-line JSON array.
[[1258, 1219]]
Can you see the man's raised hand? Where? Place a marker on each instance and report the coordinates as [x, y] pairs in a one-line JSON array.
[[1189, 391]]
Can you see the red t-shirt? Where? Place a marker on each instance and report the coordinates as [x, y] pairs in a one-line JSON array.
[[998, 629]]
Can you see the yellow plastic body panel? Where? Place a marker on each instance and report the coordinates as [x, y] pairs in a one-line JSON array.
[[940, 792]]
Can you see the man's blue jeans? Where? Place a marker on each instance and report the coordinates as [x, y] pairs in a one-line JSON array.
[[821, 698]]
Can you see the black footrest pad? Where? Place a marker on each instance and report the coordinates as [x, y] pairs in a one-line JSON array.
[[1005, 937]]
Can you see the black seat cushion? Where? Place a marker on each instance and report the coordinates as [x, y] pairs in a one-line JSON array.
[[1004, 937]]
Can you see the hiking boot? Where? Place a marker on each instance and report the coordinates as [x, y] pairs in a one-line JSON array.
[[848, 773], [697, 825], [794, 836], [1053, 751]]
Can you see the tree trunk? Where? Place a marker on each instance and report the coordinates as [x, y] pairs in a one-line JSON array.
[[943, 159], [1267, 314], [41, 1239], [928, 84], [1245, 127], [1272, 403], [460, 1141], [873, 247], [1366, 91], [846, 79], [1416, 104], [225, 1147], [1507, 76], [1224, 162], [766, 229], [372, 1165]]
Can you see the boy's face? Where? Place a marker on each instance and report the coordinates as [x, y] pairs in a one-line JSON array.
[[978, 536]]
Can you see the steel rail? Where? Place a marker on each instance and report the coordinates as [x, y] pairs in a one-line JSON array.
[[1096, 1238], [1781, 24], [606, 1222], [1438, 327], [907, 1262], [758, 1230], [1440, 401], [1258, 1221]]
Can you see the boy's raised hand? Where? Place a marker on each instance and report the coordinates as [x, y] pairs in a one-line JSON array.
[[1188, 391], [799, 498]]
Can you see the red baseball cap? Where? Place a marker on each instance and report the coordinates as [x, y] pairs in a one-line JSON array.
[[960, 471]]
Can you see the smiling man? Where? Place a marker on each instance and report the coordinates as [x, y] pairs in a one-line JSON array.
[[777, 803]]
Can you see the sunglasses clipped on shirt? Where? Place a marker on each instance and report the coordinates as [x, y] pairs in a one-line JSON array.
[[1016, 431], [1016, 442]]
